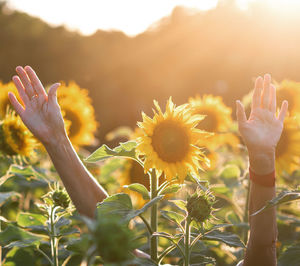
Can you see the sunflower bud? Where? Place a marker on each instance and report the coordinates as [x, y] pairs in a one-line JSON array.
[[199, 206], [61, 198]]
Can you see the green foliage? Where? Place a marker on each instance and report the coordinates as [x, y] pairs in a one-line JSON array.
[[126, 149]]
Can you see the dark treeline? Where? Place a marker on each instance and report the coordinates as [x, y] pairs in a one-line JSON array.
[[218, 52]]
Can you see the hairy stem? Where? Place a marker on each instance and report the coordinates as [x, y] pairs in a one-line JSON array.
[[153, 221], [187, 242]]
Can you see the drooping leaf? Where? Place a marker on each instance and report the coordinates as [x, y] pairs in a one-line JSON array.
[[23, 243], [171, 189], [120, 205], [283, 197], [126, 149], [139, 188], [173, 216], [6, 195], [116, 205], [180, 204], [13, 233], [228, 238], [144, 208], [30, 219], [290, 256]]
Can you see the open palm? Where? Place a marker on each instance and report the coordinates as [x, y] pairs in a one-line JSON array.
[[41, 112], [262, 131]]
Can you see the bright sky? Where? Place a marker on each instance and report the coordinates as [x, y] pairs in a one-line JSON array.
[[130, 16]]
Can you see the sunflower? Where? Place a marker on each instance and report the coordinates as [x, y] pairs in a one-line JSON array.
[[290, 91], [218, 120], [288, 147], [4, 101], [169, 142], [15, 137], [77, 108]]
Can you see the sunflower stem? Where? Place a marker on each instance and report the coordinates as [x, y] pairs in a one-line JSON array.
[[187, 242], [245, 218], [153, 221], [53, 238]]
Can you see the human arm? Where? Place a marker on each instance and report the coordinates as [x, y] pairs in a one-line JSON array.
[[261, 133], [42, 115]]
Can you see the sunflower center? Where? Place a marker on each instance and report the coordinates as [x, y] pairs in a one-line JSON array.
[[283, 144], [75, 122], [210, 122], [170, 141]]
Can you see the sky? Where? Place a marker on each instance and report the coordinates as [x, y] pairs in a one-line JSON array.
[[130, 16]]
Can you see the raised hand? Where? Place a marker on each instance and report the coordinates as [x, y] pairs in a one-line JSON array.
[[262, 131], [41, 112]]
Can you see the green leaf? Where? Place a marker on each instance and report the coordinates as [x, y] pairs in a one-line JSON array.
[[136, 213], [139, 188], [230, 171], [30, 219], [13, 233], [126, 149], [283, 197], [26, 171], [120, 206], [6, 195], [171, 189], [173, 216], [180, 204], [225, 237], [23, 243], [290, 256]]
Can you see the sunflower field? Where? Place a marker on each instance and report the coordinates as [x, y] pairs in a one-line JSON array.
[[179, 187]]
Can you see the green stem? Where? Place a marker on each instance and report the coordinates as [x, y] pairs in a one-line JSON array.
[[246, 218], [187, 242], [53, 238], [153, 221]]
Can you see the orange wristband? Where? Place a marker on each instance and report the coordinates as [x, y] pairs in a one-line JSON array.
[[263, 180]]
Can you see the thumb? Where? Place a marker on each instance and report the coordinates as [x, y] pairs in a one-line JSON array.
[[240, 113], [52, 94]]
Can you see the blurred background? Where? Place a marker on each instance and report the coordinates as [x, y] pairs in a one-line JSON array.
[[127, 53]]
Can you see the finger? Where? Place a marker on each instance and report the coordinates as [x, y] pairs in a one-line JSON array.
[[283, 111], [37, 85], [25, 81], [273, 99], [21, 90], [256, 98], [265, 100], [15, 103], [240, 113], [52, 94]]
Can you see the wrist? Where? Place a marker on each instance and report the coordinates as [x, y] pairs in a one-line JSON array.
[[262, 162], [55, 140]]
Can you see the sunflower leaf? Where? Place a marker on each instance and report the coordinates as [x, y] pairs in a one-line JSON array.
[[6, 195], [126, 149], [173, 216], [139, 188], [228, 238], [30, 219], [290, 255], [171, 189], [283, 197]]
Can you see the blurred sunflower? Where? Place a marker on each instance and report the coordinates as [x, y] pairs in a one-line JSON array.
[[4, 101], [218, 120], [15, 137], [169, 141], [288, 147], [290, 91], [77, 108]]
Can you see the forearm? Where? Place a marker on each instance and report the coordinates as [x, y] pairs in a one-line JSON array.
[[261, 247], [83, 189]]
